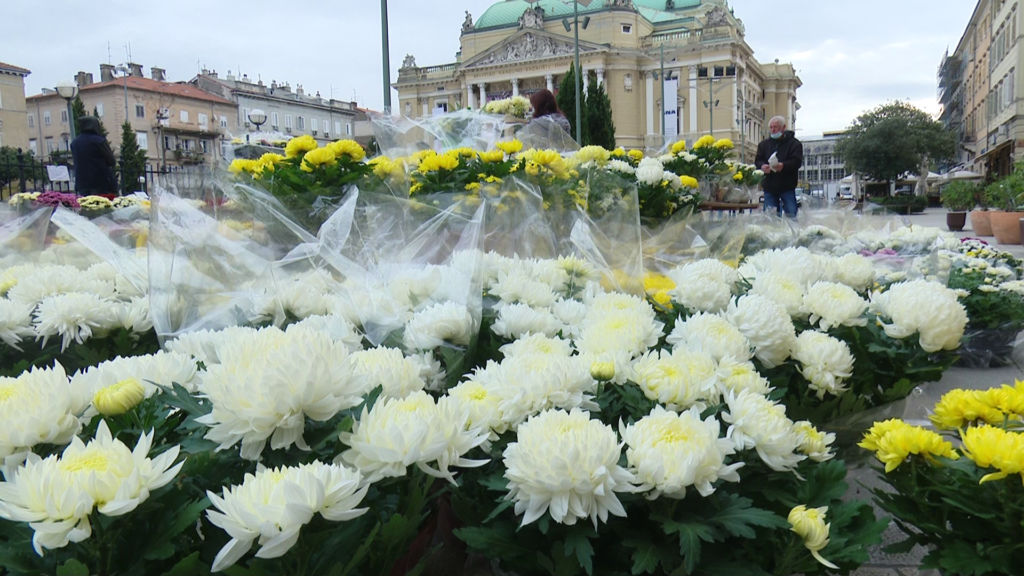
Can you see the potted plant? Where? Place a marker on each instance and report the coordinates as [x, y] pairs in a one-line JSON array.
[[958, 198], [1005, 195], [981, 222]]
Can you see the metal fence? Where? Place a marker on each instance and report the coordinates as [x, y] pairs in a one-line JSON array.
[[24, 173]]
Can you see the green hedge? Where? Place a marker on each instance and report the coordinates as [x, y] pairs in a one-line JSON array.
[[902, 204]]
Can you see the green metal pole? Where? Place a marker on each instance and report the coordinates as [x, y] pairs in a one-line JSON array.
[[386, 55], [71, 121], [576, 41], [711, 103], [663, 93]]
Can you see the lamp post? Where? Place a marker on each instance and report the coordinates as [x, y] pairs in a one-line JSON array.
[[162, 115], [385, 53], [68, 90], [257, 117], [124, 70], [576, 51]]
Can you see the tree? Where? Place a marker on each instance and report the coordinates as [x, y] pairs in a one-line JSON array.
[[894, 139], [77, 111], [9, 173], [103, 129], [600, 126], [566, 100], [132, 159]]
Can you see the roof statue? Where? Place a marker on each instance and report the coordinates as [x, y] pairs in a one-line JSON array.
[[532, 18], [467, 24], [717, 16], [628, 4], [409, 62]]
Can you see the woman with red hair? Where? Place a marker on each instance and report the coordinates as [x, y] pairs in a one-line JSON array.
[[545, 106]]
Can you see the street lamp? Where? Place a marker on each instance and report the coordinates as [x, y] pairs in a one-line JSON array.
[[576, 45], [68, 90], [162, 115], [385, 55], [257, 117]]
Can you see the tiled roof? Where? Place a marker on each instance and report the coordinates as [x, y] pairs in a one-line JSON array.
[[507, 12], [171, 88], [4, 67]]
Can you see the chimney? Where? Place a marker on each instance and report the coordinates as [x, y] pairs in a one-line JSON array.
[[83, 79], [285, 87], [106, 72], [136, 69], [230, 77], [299, 90], [158, 74], [213, 74]]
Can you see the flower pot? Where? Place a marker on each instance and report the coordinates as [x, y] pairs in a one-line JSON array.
[[980, 223], [1006, 227], [955, 221]]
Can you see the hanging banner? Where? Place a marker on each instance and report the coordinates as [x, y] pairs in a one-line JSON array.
[[671, 108]]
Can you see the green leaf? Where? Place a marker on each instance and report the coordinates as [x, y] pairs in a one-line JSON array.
[[73, 568], [738, 517], [690, 536], [959, 557], [492, 542], [578, 541], [359, 554], [645, 561], [161, 551], [189, 566]]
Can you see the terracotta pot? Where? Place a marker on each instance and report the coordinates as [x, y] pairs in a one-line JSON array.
[[980, 223], [955, 221], [1006, 226]]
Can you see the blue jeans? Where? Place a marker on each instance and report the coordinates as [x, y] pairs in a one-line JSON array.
[[771, 202]]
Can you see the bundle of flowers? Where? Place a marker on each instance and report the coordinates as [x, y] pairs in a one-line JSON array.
[[707, 157], [746, 174], [516, 106], [958, 491], [54, 199], [994, 299], [94, 205]]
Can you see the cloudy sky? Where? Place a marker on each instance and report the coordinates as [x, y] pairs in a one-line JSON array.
[[851, 55]]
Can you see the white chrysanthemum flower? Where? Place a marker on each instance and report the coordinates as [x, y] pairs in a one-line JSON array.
[[47, 281], [814, 443], [571, 313], [735, 376], [578, 270], [517, 320], [400, 432], [674, 182], [650, 171], [267, 386], [825, 362], [799, 264], [669, 452], [616, 337], [554, 273], [56, 495], [679, 379], [152, 372], [531, 383], [273, 505], [621, 166], [38, 407], [766, 325], [135, 316], [203, 345], [566, 464], [537, 344], [712, 334], [430, 369], [927, 308], [781, 289], [831, 305], [855, 271], [10, 277], [703, 286], [340, 329], [482, 404], [75, 317], [15, 322], [512, 288], [757, 422], [388, 367], [437, 324]]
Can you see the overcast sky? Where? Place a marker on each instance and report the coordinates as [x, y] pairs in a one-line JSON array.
[[851, 54]]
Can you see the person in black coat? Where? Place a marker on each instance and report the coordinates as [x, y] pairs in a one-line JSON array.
[[93, 159], [780, 178]]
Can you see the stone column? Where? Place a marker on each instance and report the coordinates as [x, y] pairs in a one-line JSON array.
[[734, 103], [515, 87], [483, 94], [600, 76], [470, 100], [583, 80], [693, 101], [650, 102], [550, 80]]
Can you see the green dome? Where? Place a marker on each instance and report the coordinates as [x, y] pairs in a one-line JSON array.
[[507, 12]]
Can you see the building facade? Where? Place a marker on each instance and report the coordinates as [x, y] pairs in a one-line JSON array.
[[980, 89], [176, 123], [823, 168], [518, 47], [13, 120], [290, 112]]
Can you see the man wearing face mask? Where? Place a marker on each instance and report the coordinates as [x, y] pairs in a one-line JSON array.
[[780, 157]]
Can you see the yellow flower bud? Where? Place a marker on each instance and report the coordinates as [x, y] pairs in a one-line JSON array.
[[602, 371], [810, 525], [119, 398]]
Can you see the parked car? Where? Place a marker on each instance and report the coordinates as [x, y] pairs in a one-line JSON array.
[[904, 191]]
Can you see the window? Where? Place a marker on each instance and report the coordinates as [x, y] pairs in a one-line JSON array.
[[287, 120], [301, 123], [140, 111], [245, 117], [31, 120], [183, 116], [33, 149], [273, 120], [203, 122], [337, 127], [143, 139], [313, 124], [185, 144], [627, 28], [167, 143], [223, 121], [99, 109], [348, 129], [203, 146], [1, 100], [49, 145], [63, 116]]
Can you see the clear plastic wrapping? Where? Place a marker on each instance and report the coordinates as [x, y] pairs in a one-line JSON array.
[[22, 236], [401, 136]]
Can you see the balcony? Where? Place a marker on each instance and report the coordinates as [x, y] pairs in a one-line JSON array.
[[189, 157]]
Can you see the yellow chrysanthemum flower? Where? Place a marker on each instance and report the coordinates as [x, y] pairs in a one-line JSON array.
[[991, 447], [511, 147], [663, 299], [635, 155], [689, 182], [437, 162], [532, 168], [465, 152], [737, 176], [724, 144], [657, 282], [595, 154], [1008, 399], [809, 524], [269, 161], [902, 441], [546, 157], [619, 152], [239, 165], [704, 141], [349, 148], [299, 146], [119, 397], [318, 157], [384, 167], [474, 186], [679, 146], [492, 156], [959, 408]]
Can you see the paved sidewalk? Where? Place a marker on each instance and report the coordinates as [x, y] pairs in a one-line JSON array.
[[936, 217]]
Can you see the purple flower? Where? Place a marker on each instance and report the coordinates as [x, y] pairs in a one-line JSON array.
[[51, 198], [979, 240]]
